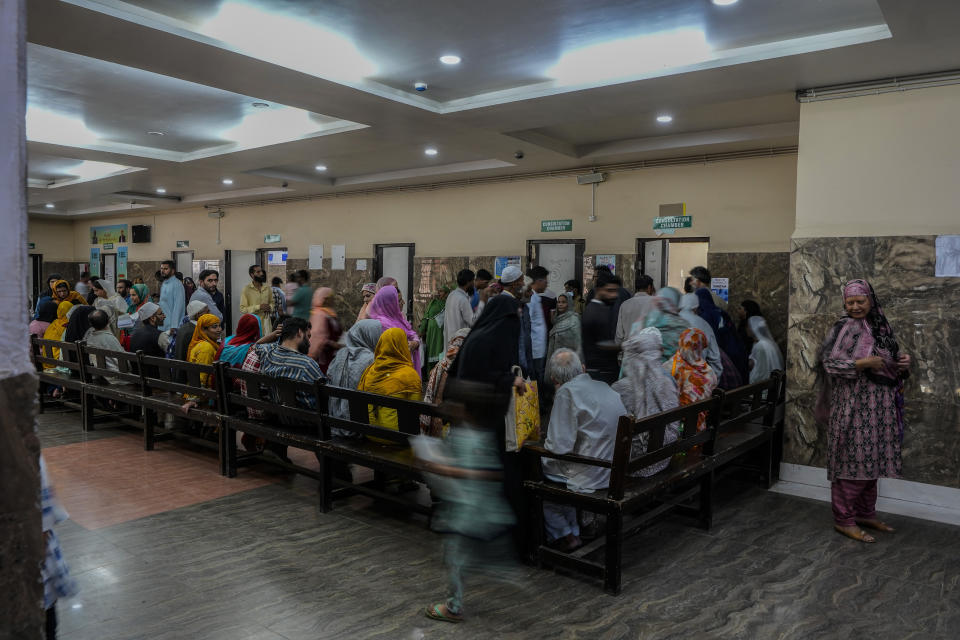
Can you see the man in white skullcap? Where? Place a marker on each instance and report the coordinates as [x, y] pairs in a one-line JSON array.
[[147, 337], [512, 281]]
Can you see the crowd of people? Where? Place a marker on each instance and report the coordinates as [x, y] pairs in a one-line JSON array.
[[595, 357]]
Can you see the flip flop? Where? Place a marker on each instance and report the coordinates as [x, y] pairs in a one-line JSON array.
[[856, 534], [876, 525], [434, 613]]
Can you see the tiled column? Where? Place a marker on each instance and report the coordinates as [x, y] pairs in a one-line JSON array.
[[21, 591]]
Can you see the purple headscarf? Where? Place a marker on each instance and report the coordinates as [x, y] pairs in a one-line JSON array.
[[385, 307]]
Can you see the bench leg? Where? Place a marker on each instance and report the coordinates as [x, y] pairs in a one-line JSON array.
[[325, 490], [40, 394], [706, 502], [86, 411], [613, 552], [149, 429], [230, 451]]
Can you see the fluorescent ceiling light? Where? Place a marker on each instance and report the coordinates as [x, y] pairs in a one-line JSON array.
[[272, 126], [57, 128], [664, 119], [321, 167], [430, 151], [724, 3], [50, 205], [227, 181], [155, 133], [261, 105], [627, 57], [290, 41], [450, 59], [161, 190]]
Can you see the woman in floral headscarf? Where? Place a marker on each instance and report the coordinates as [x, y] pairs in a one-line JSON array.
[[861, 371], [695, 379]]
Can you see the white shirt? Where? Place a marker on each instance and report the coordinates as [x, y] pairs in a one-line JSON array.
[[583, 421], [458, 314], [538, 327]]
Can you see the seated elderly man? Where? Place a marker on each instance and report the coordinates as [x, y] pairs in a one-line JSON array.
[[101, 337], [583, 421]]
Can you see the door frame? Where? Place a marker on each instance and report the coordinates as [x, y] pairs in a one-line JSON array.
[[665, 262], [378, 269], [36, 268], [580, 248], [103, 266]]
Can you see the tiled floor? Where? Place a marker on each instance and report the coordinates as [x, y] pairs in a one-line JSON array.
[[260, 562]]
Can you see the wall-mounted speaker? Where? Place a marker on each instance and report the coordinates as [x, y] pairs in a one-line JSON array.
[[141, 233]]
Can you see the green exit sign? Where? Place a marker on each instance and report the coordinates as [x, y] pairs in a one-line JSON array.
[[31, 245], [556, 225]]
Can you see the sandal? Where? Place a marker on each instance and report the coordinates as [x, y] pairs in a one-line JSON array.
[[876, 525], [435, 613], [855, 533]]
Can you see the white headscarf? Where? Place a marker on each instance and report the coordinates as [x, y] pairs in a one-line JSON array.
[[646, 389], [765, 355]]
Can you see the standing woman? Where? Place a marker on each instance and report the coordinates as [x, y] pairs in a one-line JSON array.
[[386, 308], [325, 329], [665, 317], [747, 309], [431, 330], [695, 378], [565, 332], [366, 292], [765, 357], [862, 397]]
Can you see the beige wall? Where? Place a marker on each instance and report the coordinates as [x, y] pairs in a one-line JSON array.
[[880, 165], [54, 239], [743, 205]]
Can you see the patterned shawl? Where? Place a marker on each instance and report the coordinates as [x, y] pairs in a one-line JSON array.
[[664, 316], [695, 379], [437, 382]]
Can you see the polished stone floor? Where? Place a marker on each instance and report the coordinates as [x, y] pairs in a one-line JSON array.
[[264, 564]]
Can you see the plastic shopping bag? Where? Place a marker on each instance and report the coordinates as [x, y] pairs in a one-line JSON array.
[[523, 415]]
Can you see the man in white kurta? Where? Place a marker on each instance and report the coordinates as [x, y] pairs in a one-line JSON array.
[[583, 421], [458, 313]]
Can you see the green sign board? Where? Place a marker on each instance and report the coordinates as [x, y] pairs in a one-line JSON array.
[[270, 238], [673, 222], [107, 246], [31, 245], [556, 225]]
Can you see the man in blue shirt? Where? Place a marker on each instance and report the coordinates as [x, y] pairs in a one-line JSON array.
[[172, 296], [481, 282]]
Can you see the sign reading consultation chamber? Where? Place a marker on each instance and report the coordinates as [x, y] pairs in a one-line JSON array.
[[672, 222], [556, 225]]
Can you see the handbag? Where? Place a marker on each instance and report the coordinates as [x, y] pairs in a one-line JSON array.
[[523, 415]]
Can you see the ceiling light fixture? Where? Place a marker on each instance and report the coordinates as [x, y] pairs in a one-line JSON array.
[[664, 119], [724, 3], [50, 205], [430, 151], [321, 167], [261, 105], [450, 59], [156, 133], [161, 190], [227, 181]]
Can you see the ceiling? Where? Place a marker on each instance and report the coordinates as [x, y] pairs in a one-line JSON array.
[[128, 98]]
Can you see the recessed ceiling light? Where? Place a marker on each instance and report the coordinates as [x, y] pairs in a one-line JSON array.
[[664, 119], [430, 151], [156, 133], [50, 205], [261, 105], [321, 167], [724, 3], [450, 59], [161, 190], [227, 181]]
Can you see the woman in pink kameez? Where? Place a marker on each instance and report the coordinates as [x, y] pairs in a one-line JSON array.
[[861, 401]]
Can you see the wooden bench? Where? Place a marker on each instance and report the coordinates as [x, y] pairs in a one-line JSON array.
[[747, 432], [630, 502], [163, 394], [69, 380], [99, 381]]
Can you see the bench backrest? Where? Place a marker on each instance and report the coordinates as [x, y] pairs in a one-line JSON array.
[[43, 354], [750, 403], [655, 426], [276, 399], [408, 413], [164, 375], [93, 366]]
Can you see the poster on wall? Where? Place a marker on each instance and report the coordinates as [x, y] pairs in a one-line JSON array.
[[121, 263], [721, 287], [609, 261], [277, 258], [116, 233], [502, 262], [95, 262], [948, 257]]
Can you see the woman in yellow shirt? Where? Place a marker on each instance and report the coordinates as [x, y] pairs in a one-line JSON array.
[[203, 350], [391, 374]]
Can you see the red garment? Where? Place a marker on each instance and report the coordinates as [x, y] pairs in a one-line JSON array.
[[248, 332], [853, 500]]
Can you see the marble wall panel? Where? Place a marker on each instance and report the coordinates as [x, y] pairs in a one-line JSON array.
[[346, 283], [429, 274], [918, 306], [761, 277]]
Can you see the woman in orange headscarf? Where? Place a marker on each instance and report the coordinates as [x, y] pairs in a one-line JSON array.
[[695, 379], [62, 293], [325, 329], [203, 350], [391, 374]]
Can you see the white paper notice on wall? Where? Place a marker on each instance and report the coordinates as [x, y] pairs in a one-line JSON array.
[[361, 265], [316, 256], [277, 258], [338, 255], [948, 257]]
